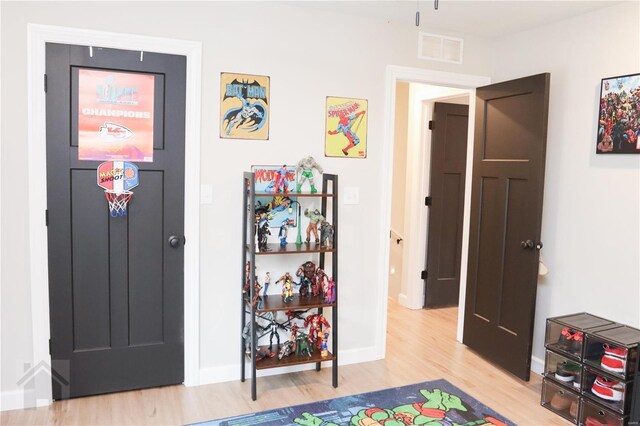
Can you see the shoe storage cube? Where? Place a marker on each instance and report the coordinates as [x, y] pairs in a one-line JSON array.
[[609, 391], [565, 334], [594, 415], [560, 400], [563, 370], [620, 359]]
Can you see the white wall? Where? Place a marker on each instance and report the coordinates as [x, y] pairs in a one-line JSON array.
[[308, 55], [591, 214]]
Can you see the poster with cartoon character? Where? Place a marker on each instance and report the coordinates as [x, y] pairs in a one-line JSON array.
[[244, 106], [281, 182], [346, 127]]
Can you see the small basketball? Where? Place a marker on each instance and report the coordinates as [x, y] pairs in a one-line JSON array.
[[129, 173]]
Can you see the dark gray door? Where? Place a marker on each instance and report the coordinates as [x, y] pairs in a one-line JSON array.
[[506, 215], [444, 242], [115, 283]]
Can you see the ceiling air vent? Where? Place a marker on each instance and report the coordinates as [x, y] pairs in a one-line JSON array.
[[440, 48]]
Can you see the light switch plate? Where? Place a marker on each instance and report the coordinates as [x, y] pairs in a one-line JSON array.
[[206, 194], [351, 195]]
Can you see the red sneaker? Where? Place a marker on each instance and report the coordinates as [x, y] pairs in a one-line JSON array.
[[614, 359], [610, 390]]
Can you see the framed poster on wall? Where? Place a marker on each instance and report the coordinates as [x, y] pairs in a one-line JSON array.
[[346, 128], [244, 106], [619, 116], [115, 116]]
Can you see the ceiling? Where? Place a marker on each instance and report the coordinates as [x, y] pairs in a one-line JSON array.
[[485, 18]]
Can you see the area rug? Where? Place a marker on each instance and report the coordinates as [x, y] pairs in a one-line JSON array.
[[436, 402]]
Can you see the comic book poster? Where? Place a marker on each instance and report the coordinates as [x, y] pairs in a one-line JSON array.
[[244, 106], [346, 128], [115, 116], [618, 123], [281, 182]]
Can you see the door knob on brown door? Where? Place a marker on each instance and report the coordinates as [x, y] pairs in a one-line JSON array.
[[174, 241], [528, 244]]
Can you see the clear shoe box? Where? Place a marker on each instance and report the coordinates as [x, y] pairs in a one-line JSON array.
[[610, 392], [560, 400], [565, 334], [563, 370], [619, 360], [593, 414]]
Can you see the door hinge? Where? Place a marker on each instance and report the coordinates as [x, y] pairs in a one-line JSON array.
[[427, 201], [50, 352], [46, 217], [430, 124], [45, 83], [423, 275]]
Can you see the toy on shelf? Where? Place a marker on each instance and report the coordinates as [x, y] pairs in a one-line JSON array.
[[324, 350], [304, 286], [321, 279], [284, 231], [280, 184], [257, 299], [264, 353], [326, 235], [246, 335], [305, 171], [329, 288], [315, 323], [273, 327], [303, 345], [308, 271], [267, 281], [287, 287], [315, 217]]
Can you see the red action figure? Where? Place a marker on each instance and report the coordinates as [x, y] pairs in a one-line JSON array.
[[315, 323]]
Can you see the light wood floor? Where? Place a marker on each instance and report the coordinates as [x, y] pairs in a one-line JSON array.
[[420, 346]]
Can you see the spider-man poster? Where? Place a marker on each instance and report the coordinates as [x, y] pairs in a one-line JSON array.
[[346, 128], [244, 106]]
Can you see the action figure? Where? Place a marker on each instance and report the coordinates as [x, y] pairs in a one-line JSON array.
[[263, 234], [257, 300], [344, 126], [326, 235], [315, 323], [307, 274], [264, 353], [303, 345], [246, 335], [273, 329], [315, 217], [305, 170], [287, 349], [325, 339], [304, 286], [287, 287], [284, 231], [247, 278], [321, 279], [267, 281], [329, 290], [280, 184]]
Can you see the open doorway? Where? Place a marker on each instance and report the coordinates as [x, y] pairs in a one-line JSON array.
[[414, 173]]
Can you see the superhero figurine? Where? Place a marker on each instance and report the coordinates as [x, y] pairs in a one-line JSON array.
[[344, 127], [304, 286], [257, 300], [307, 274], [267, 281], [315, 217], [284, 231], [329, 290], [273, 329], [305, 170], [263, 235], [287, 287], [325, 339], [246, 335], [280, 184], [315, 323], [321, 279], [326, 235]]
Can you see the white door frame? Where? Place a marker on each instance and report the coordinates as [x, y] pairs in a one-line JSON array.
[[415, 193], [37, 36]]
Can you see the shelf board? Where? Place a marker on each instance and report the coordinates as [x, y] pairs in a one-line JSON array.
[[292, 248], [293, 359], [293, 194], [274, 302]]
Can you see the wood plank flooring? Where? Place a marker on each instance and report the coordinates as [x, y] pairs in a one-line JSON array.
[[421, 346]]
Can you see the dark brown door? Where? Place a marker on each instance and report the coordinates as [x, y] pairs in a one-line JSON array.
[[444, 242], [506, 214], [115, 283]]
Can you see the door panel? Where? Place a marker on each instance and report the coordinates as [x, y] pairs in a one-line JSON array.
[[506, 209], [115, 285], [444, 243]]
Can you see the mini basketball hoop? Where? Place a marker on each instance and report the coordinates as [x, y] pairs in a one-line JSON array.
[[117, 178], [118, 202]]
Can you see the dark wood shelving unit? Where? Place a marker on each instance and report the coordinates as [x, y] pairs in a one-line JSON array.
[[274, 303]]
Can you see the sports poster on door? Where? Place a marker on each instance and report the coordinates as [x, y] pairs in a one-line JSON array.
[[346, 128], [244, 106], [115, 116]]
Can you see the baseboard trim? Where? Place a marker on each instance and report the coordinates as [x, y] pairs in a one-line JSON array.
[[231, 372], [537, 365], [15, 400]]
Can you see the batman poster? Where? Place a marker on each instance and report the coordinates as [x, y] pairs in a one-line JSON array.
[[244, 106]]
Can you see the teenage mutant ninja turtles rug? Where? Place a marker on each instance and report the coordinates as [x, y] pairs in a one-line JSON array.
[[429, 403]]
